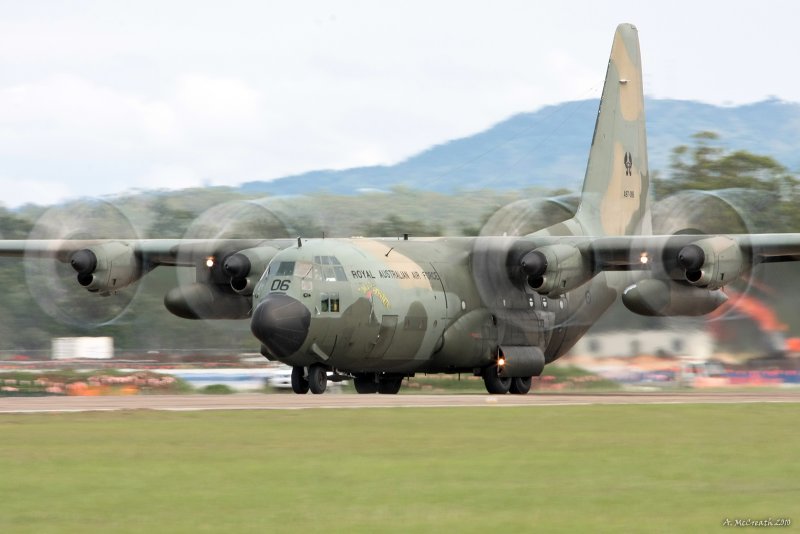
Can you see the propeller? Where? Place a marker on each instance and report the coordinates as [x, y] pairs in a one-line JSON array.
[[221, 266], [504, 295], [53, 285], [725, 211]]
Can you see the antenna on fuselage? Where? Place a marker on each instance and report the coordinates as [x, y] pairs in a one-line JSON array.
[[299, 242]]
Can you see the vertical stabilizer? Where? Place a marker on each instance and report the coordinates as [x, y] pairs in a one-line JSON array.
[[615, 199]]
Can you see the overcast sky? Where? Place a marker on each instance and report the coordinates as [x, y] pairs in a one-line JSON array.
[[104, 97]]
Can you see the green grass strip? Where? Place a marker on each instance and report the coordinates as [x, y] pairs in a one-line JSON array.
[[568, 468]]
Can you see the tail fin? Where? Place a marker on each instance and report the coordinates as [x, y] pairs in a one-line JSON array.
[[615, 198]]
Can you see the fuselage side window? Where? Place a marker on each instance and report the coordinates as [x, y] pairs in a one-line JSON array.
[[329, 302]]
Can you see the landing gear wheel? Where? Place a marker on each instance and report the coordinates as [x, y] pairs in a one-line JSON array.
[[495, 384], [299, 382], [390, 386], [365, 383], [521, 386], [317, 378]]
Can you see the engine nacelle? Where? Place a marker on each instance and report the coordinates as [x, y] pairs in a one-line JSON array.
[[205, 301], [107, 267], [658, 298], [246, 267], [711, 263], [555, 269]]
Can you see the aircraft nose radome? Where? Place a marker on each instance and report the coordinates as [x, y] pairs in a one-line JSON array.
[[281, 324]]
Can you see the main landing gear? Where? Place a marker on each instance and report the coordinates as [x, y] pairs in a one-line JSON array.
[[316, 380], [498, 385], [372, 383]]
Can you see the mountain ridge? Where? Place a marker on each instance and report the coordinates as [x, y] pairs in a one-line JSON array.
[[548, 148]]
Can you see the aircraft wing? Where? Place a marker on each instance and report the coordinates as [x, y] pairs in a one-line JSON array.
[[553, 265], [153, 252], [626, 253]]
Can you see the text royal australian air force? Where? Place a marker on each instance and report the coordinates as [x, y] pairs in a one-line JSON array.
[[394, 274]]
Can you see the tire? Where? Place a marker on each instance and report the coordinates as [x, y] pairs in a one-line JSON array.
[[299, 382], [521, 386], [317, 379], [390, 386], [495, 385], [365, 384]]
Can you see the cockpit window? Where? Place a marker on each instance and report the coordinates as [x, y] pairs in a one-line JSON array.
[[339, 271], [329, 269], [286, 268], [302, 269]]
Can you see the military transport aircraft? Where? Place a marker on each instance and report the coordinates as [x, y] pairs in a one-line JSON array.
[[378, 310]]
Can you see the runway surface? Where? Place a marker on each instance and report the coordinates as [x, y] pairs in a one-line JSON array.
[[256, 401]]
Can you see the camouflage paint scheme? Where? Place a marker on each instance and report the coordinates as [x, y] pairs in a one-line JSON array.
[[434, 318]]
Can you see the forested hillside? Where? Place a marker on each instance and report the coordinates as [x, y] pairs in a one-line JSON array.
[[548, 148], [766, 198]]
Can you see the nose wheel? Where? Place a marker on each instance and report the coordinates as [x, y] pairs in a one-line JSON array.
[[299, 382], [317, 378]]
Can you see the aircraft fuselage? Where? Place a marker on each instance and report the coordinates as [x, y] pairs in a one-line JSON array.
[[407, 306]]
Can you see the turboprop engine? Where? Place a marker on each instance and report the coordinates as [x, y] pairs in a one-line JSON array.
[[555, 269], [246, 266], [712, 262], [107, 267]]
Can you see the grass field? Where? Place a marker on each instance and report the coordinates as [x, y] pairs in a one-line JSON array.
[[568, 468]]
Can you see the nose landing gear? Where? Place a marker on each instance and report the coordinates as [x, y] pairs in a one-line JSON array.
[[316, 380]]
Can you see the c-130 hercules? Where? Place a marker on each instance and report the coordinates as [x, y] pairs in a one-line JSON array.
[[379, 310]]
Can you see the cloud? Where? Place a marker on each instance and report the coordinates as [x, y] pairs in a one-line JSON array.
[[102, 100], [16, 192], [90, 138], [69, 115], [217, 102]]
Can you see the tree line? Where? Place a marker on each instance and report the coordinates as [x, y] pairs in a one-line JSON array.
[[704, 164]]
